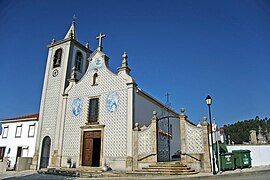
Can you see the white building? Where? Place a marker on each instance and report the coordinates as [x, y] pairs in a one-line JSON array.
[[87, 112], [18, 137]]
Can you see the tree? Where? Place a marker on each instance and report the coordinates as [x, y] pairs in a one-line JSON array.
[[239, 131]]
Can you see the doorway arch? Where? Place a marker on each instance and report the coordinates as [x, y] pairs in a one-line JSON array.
[[45, 152]]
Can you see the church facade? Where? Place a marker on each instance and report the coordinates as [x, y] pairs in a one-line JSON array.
[[88, 113]]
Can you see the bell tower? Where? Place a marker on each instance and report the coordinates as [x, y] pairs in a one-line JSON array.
[[64, 57]]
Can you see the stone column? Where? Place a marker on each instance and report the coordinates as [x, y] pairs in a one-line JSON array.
[[136, 146], [154, 136], [206, 157], [183, 118], [130, 121]]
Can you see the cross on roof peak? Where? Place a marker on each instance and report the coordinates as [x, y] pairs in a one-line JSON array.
[[167, 96], [100, 40], [168, 103]]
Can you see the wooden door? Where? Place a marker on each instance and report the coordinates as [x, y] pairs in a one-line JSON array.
[[88, 143], [87, 152]]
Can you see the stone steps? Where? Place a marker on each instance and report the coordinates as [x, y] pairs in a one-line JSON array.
[[167, 168], [168, 165], [153, 174]]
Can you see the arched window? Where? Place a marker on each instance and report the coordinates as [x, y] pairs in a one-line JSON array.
[[78, 62], [95, 78], [57, 58]]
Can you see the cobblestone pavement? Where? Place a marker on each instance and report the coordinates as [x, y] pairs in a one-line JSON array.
[[29, 175], [258, 173]]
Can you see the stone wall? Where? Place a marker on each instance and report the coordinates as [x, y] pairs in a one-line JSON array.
[[145, 144], [3, 166], [23, 163], [194, 144]]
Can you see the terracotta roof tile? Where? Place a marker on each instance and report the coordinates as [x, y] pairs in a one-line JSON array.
[[23, 117]]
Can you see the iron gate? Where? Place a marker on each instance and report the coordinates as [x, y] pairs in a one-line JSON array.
[[164, 134]]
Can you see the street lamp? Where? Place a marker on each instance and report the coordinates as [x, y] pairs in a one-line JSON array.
[[209, 102]]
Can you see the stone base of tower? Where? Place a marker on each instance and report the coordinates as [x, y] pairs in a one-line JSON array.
[[34, 164], [55, 161]]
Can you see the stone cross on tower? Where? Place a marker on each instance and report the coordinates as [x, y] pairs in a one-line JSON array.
[[74, 18], [100, 40]]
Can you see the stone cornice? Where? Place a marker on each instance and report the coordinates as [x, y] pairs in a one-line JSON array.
[[67, 40]]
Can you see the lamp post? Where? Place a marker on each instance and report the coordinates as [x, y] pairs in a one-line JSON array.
[[209, 102], [217, 144]]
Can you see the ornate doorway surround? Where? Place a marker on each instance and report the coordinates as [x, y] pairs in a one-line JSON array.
[[91, 146]]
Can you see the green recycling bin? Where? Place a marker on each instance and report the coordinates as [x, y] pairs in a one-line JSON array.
[[222, 148], [227, 161], [242, 158]]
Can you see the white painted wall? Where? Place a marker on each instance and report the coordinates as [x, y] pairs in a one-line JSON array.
[[260, 154], [144, 108], [12, 142]]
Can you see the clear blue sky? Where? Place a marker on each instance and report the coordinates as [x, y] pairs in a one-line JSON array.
[[187, 48]]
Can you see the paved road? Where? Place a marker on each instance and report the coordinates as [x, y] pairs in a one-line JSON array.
[[262, 175], [39, 176]]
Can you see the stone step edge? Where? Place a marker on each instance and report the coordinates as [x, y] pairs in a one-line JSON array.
[[164, 170], [159, 173], [169, 165], [165, 167]]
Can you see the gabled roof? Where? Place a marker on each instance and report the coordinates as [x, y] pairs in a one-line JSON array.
[[30, 116]]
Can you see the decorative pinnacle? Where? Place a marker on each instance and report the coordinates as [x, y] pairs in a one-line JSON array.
[[53, 40], [204, 121], [87, 45], [73, 74], [125, 55], [182, 111], [124, 62]]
